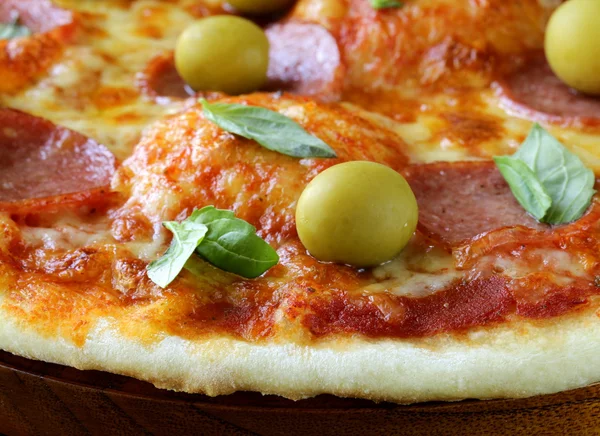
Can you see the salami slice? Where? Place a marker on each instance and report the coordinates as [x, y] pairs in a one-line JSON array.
[[161, 80], [42, 164], [460, 200], [537, 93], [304, 59]]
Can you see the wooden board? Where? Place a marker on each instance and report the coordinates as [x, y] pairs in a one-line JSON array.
[[41, 398]]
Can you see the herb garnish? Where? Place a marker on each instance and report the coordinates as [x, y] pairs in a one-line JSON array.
[[217, 236], [549, 181], [269, 128]]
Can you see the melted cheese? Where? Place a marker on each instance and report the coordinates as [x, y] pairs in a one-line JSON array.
[[415, 272], [92, 89], [559, 262], [66, 234]]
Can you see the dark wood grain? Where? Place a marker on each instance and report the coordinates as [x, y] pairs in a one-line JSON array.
[[41, 398]]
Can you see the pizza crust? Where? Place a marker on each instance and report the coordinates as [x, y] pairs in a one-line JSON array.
[[517, 359], [511, 361]]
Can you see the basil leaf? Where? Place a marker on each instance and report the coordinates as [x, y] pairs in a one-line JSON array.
[[186, 237], [270, 129], [220, 238], [13, 29], [383, 4], [232, 244], [568, 182], [564, 178], [524, 185]]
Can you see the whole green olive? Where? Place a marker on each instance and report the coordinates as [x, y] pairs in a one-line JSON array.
[[258, 6], [223, 53], [572, 44], [356, 213]]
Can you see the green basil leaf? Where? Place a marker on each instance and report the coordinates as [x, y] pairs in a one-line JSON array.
[[564, 178], [232, 244], [13, 29], [525, 186], [270, 129], [186, 237], [383, 4]]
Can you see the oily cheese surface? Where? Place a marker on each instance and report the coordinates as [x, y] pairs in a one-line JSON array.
[[415, 88]]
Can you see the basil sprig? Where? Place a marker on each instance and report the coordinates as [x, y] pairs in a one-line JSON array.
[[384, 4], [187, 235], [549, 181], [232, 244], [227, 242], [269, 128], [13, 29]]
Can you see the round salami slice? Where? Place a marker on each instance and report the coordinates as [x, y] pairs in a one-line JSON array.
[[460, 200], [537, 93], [42, 164], [160, 80], [305, 59], [22, 60]]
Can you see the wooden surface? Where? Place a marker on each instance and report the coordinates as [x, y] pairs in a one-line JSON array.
[[40, 398]]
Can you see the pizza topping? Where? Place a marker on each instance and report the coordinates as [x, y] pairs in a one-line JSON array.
[[187, 235], [576, 237], [460, 306], [220, 238], [43, 164], [356, 213], [258, 6], [384, 4], [304, 59], [460, 200], [548, 180], [571, 44], [13, 29], [185, 161], [22, 60], [536, 92], [161, 80], [232, 244], [223, 53], [525, 186], [269, 128]]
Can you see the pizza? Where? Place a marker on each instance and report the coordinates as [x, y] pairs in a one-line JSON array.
[[384, 200]]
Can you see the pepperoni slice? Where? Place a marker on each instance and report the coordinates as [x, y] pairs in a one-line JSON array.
[[161, 80], [22, 60], [572, 237], [535, 92], [460, 200], [305, 59], [43, 165]]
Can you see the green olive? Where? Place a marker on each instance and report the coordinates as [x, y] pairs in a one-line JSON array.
[[223, 53], [356, 213], [572, 44], [259, 6]]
